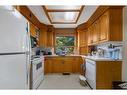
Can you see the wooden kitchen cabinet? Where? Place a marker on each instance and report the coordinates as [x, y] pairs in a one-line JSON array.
[[82, 41], [32, 30], [104, 27], [111, 25], [89, 34], [101, 74], [48, 67], [82, 36], [95, 32], [43, 37], [83, 50], [57, 65], [77, 62], [50, 39], [107, 72], [50, 36], [107, 27], [47, 36], [69, 64]]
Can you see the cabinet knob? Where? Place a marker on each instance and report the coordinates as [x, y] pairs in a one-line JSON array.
[[62, 62]]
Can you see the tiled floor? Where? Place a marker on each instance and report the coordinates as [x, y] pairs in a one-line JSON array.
[[59, 81]]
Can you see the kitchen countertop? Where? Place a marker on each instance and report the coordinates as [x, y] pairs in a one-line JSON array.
[[62, 56], [94, 58]]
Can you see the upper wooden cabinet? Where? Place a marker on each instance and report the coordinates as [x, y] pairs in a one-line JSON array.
[[32, 30], [43, 37], [82, 37], [88, 36], [47, 36], [50, 36], [108, 27], [82, 41], [104, 26], [95, 33]]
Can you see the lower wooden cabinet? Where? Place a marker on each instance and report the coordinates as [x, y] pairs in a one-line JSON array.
[[101, 74], [57, 65], [70, 64], [48, 66]]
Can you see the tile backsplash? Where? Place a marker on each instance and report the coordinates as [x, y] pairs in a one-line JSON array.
[[111, 49]]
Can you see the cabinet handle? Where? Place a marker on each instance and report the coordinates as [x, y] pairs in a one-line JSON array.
[[63, 62]]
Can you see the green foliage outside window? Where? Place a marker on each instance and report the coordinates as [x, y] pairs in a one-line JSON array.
[[65, 44]]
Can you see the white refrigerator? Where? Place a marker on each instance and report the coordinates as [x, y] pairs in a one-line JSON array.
[[15, 49]]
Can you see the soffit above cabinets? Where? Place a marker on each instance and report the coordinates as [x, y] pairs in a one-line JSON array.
[[63, 16]]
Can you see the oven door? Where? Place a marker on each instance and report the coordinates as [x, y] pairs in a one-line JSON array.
[[37, 72]]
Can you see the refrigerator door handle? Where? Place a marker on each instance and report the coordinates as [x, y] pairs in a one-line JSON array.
[[27, 58], [28, 55], [28, 62]]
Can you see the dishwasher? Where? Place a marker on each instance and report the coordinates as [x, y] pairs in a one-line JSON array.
[[91, 73]]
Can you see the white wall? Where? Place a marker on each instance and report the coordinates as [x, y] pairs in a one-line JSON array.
[[124, 67]]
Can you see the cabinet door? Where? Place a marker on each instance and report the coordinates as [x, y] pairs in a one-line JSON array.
[[57, 65], [104, 26], [32, 30], [95, 31], [50, 39], [84, 37], [83, 50], [48, 66], [89, 36], [77, 62], [43, 37], [80, 37], [68, 67], [116, 71]]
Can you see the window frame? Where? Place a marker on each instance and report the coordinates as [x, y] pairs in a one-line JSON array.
[[66, 46]]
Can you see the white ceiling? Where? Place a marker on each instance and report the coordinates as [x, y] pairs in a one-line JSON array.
[[85, 15]]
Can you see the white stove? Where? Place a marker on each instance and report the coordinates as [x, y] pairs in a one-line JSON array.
[[37, 71]]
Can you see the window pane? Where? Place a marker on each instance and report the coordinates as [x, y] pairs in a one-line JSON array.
[[64, 45], [64, 50], [65, 41]]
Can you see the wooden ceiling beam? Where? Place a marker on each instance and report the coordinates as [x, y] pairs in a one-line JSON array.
[[80, 13], [63, 10], [45, 10], [63, 23]]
